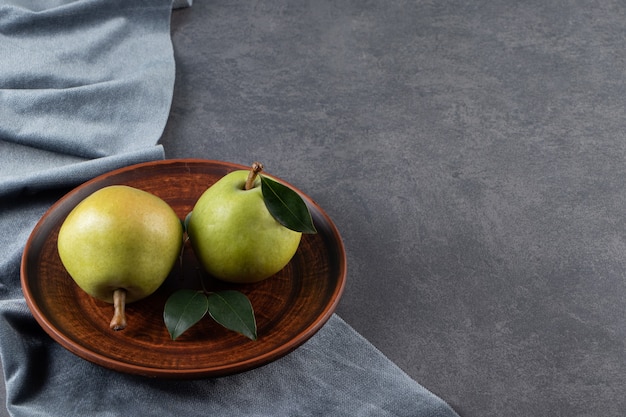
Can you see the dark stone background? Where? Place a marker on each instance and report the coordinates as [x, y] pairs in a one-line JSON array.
[[472, 156]]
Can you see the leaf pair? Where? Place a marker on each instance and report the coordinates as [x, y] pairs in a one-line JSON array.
[[231, 309]]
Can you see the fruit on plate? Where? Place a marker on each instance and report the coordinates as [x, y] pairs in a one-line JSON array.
[[119, 244], [233, 234]]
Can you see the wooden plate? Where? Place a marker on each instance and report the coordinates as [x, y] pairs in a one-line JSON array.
[[290, 307]]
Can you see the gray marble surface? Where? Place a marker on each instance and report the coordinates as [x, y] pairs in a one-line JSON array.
[[471, 155]]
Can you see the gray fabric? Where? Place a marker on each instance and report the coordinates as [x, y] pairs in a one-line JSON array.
[[86, 88]]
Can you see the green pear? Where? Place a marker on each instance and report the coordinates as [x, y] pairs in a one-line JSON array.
[[119, 244], [233, 234]]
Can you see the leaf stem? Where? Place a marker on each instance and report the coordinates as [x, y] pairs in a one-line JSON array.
[[256, 168], [200, 278], [181, 257], [119, 316]]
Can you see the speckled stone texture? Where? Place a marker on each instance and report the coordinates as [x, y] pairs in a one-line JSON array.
[[472, 156]]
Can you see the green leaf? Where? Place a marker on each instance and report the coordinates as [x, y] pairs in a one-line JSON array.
[[183, 309], [233, 310], [286, 206]]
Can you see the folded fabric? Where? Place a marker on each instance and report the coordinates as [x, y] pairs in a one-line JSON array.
[[86, 87]]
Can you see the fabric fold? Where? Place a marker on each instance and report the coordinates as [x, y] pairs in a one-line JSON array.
[[71, 175], [82, 69]]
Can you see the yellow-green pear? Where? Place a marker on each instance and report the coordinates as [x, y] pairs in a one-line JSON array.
[[119, 244], [233, 234]]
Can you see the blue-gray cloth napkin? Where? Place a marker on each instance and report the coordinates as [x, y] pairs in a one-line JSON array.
[[86, 87]]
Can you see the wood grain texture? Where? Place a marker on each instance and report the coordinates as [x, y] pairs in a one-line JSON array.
[[290, 307]]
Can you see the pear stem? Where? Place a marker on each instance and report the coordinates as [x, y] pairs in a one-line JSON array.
[[256, 168], [119, 303]]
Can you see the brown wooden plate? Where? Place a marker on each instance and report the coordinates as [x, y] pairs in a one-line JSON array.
[[290, 307]]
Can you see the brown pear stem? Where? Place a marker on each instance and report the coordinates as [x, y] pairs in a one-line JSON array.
[[254, 171], [119, 303]]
